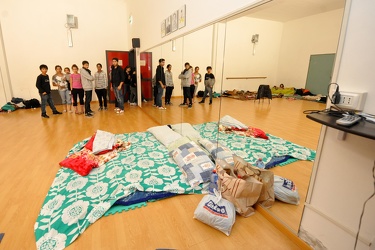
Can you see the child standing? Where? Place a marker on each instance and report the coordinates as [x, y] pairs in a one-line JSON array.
[[186, 76], [169, 84], [87, 79], [44, 87], [209, 81], [101, 86], [133, 88], [77, 90], [197, 80], [59, 80]]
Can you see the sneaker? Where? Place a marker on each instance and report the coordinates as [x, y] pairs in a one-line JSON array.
[[45, 116], [89, 115], [116, 109], [162, 108], [201, 102], [144, 100], [120, 111], [57, 112], [210, 103], [133, 104], [153, 105], [100, 109], [105, 108], [183, 104], [91, 112], [170, 103], [190, 106]]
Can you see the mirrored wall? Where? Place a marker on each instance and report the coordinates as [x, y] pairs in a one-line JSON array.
[[268, 45]]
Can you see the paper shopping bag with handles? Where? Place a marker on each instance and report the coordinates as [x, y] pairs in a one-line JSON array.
[[242, 193], [246, 170]]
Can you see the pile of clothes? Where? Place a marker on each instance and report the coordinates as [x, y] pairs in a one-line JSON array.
[[102, 147]]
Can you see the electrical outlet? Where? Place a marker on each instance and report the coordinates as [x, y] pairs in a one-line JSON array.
[[352, 100]]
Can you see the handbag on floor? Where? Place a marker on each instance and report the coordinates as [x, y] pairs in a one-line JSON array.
[[216, 212], [242, 193]]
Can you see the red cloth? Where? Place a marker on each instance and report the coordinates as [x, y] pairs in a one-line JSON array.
[[81, 162]]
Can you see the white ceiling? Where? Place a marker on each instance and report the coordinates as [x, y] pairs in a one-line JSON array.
[[287, 10]]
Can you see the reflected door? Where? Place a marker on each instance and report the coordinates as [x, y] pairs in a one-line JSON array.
[[146, 74], [123, 60]]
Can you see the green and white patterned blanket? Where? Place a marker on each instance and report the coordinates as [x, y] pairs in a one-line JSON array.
[[74, 202]]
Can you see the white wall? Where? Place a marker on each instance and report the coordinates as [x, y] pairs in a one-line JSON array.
[[317, 34], [344, 168], [5, 87], [198, 13], [239, 60], [34, 33]]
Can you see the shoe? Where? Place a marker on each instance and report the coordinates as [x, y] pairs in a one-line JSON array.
[[100, 109], [210, 103], [45, 116], [170, 103], [144, 100], [57, 112], [183, 104], [190, 106], [120, 111], [89, 115], [201, 102], [133, 104], [64, 111], [116, 109], [162, 108], [105, 108], [153, 105], [91, 112]]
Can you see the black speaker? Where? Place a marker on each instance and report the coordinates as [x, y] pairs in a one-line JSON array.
[[136, 43]]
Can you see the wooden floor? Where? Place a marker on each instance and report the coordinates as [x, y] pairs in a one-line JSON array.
[[32, 147]]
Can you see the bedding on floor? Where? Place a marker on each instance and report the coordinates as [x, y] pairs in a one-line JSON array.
[[74, 202]]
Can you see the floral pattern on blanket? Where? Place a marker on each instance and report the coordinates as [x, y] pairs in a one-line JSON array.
[[251, 149], [74, 202]]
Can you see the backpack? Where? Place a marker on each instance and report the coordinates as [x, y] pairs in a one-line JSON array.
[[27, 104], [200, 93], [34, 103]]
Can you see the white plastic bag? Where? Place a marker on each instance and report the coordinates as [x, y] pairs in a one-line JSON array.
[[216, 212], [285, 190]]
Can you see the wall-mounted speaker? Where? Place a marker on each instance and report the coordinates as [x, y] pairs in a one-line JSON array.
[[136, 42]]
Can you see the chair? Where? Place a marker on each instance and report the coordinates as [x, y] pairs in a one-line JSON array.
[[264, 91]]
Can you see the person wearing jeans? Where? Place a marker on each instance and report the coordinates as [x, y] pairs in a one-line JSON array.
[[117, 80], [44, 88], [160, 83], [101, 85], [87, 79], [169, 85], [186, 76]]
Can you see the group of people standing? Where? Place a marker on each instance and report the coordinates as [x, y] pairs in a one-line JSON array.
[[73, 86], [189, 83]]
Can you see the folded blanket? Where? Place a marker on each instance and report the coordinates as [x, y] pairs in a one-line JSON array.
[[186, 129]]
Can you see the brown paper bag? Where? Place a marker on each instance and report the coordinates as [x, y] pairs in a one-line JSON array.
[[245, 170], [242, 193]]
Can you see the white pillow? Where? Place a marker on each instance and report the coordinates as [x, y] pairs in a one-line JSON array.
[[185, 129], [164, 134]]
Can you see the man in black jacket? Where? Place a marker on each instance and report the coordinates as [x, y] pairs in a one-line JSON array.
[[117, 80], [44, 88], [160, 83]]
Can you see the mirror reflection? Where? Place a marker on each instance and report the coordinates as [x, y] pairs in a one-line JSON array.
[[270, 64], [268, 57]]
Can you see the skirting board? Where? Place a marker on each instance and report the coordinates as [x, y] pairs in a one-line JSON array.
[[283, 228]]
